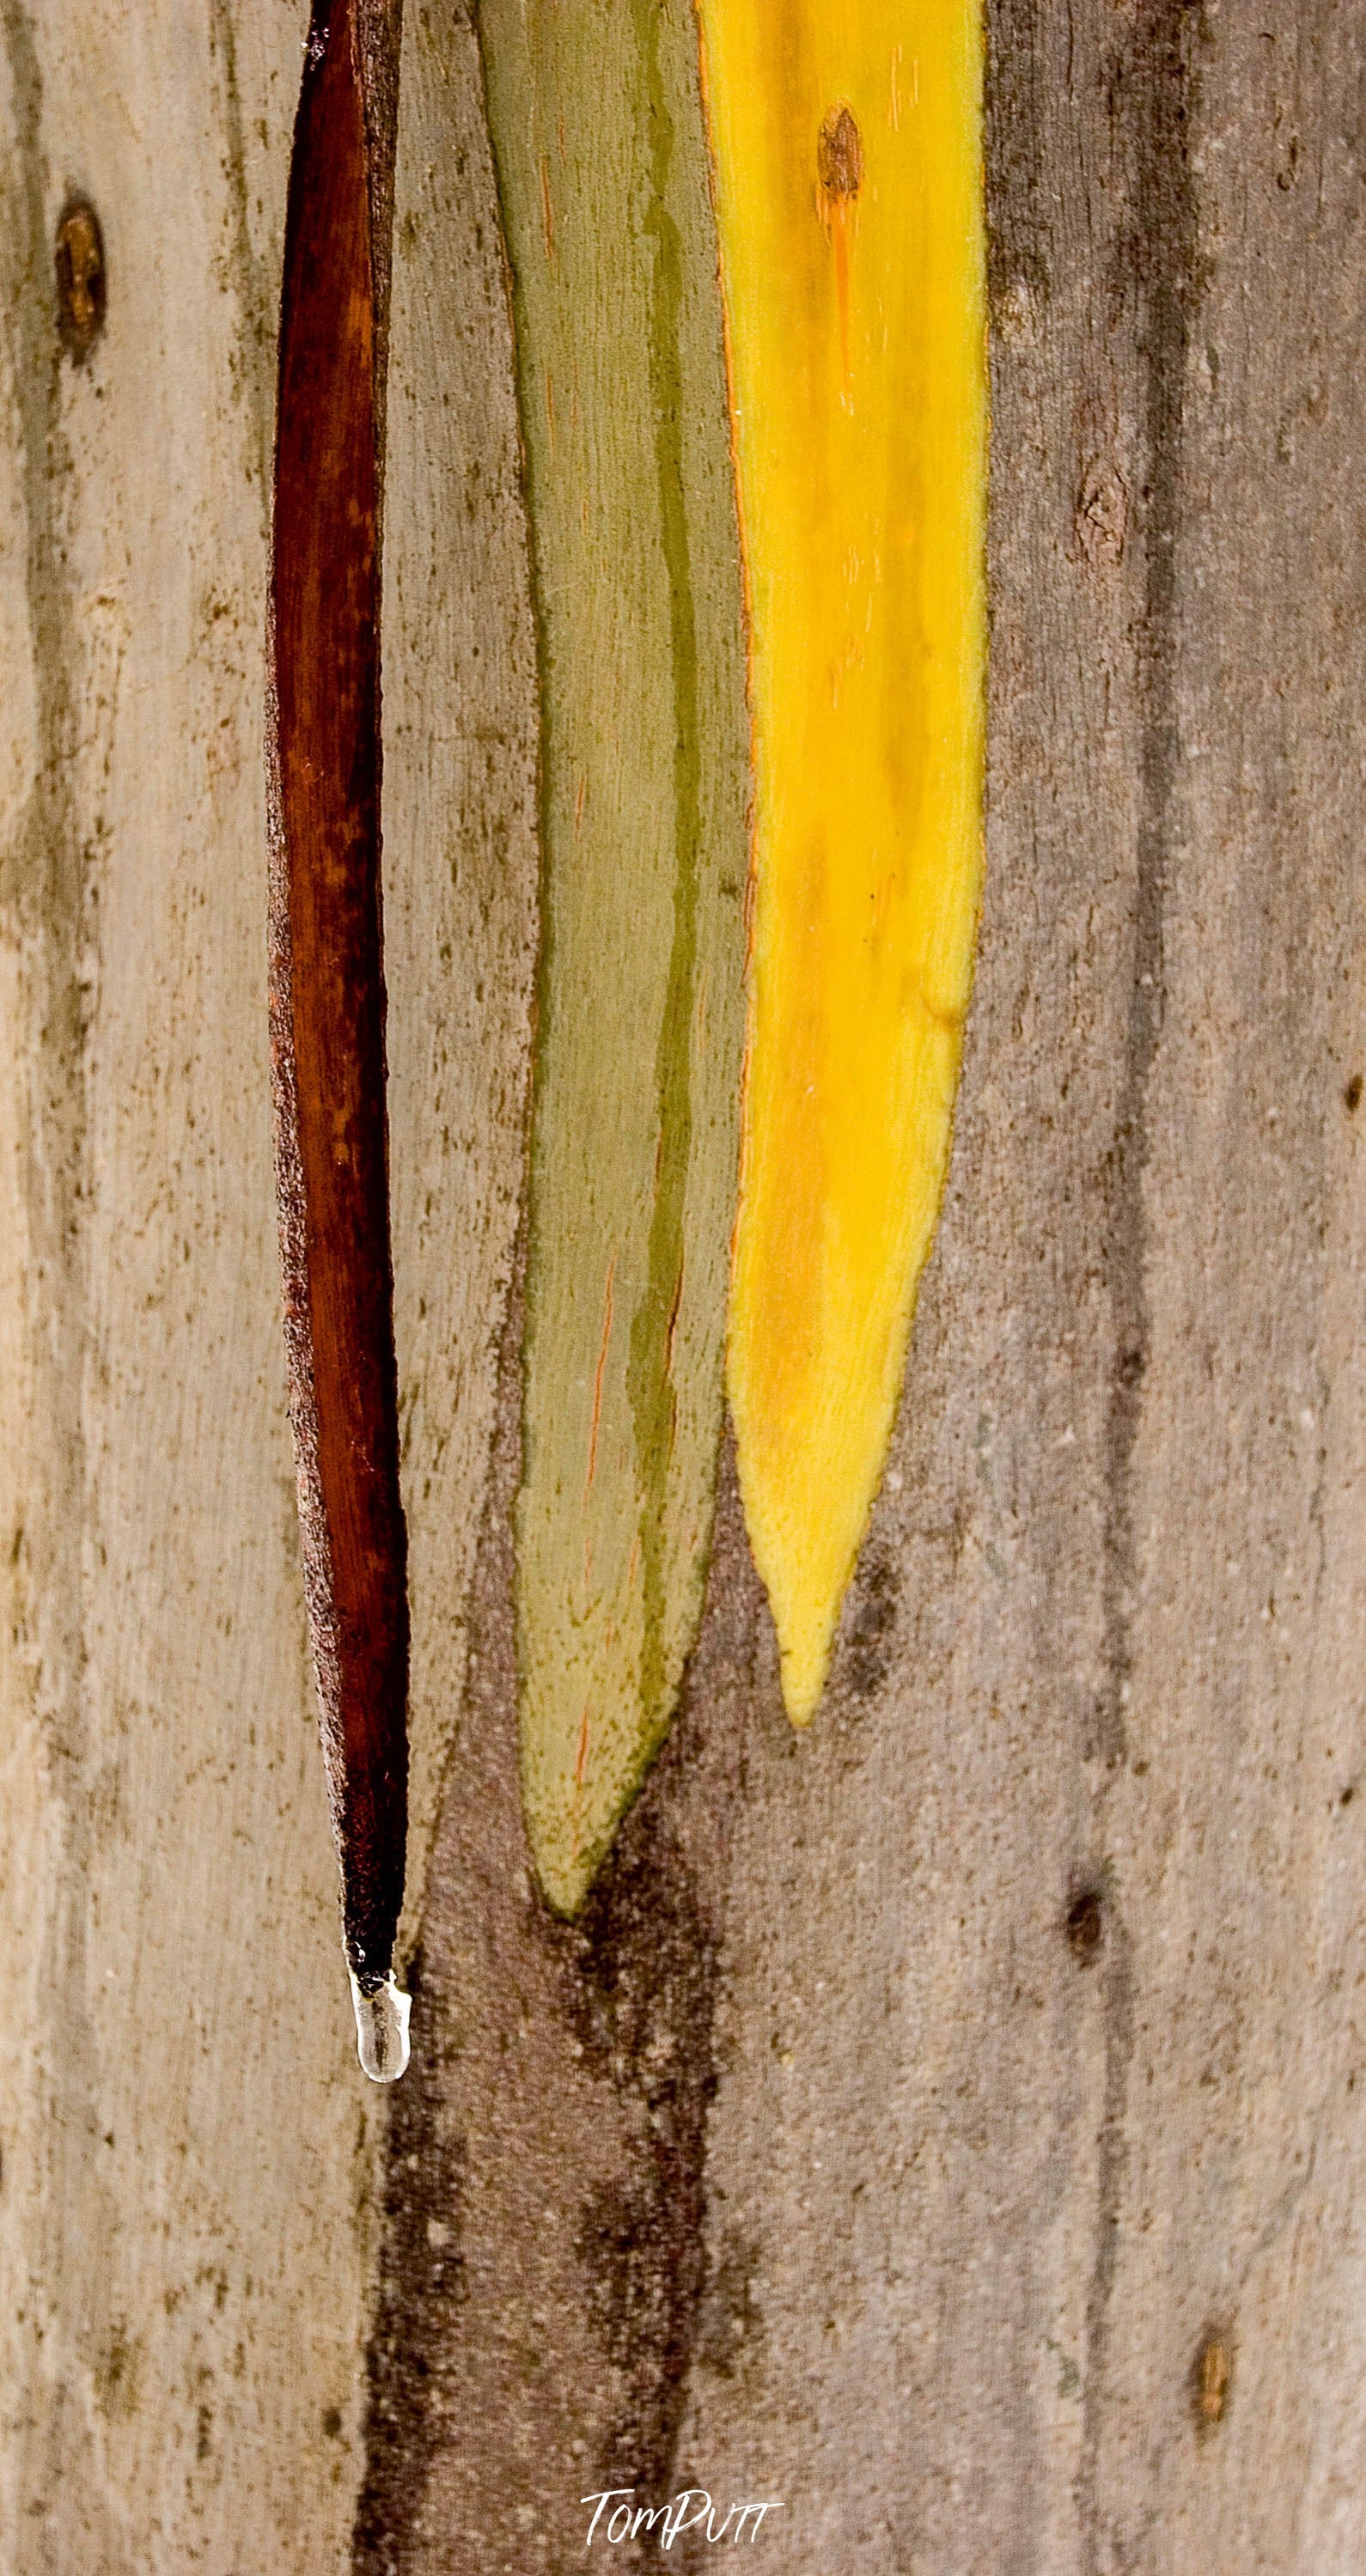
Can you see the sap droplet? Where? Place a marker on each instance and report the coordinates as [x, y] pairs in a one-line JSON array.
[[381, 2030]]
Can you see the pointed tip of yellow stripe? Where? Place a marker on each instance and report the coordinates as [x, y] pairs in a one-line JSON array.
[[805, 1665], [806, 1586]]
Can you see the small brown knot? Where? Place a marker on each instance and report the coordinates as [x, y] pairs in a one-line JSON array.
[[839, 158], [1085, 1924], [80, 278], [1211, 2378]]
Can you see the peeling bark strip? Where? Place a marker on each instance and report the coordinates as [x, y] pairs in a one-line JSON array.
[[326, 954]]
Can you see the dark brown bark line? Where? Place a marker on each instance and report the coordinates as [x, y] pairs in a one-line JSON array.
[[327, 985], [1155, 97], [422, 2288], [1154, 102], [643, 2001]]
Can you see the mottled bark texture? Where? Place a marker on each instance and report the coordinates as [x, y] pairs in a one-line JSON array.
[[950, 2121]]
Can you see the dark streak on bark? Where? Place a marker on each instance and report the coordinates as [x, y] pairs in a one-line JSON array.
[[1154, 96], [1118, 2009], [327, 978], [1153, 101], [642, 1996], [412, 2354], [248, 272]]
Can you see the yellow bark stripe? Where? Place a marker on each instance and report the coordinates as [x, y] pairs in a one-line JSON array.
[[847, 153]]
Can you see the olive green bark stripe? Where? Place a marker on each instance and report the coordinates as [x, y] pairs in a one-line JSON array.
[[597, 124]]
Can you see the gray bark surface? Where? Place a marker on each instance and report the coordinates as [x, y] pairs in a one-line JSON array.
[[948, 2121]]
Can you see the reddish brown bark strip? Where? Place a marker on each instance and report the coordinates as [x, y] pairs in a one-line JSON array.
[[327, 1002]]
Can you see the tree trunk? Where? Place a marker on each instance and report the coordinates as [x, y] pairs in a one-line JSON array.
[[945, 2121]]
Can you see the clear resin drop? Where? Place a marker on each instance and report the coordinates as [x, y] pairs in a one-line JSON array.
[[382, 2030]]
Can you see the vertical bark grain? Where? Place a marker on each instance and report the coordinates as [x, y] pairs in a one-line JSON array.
[[47, 933], [828, 2159], [182, 2143]]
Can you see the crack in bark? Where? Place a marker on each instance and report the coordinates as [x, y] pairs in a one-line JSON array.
[[327, 997]]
